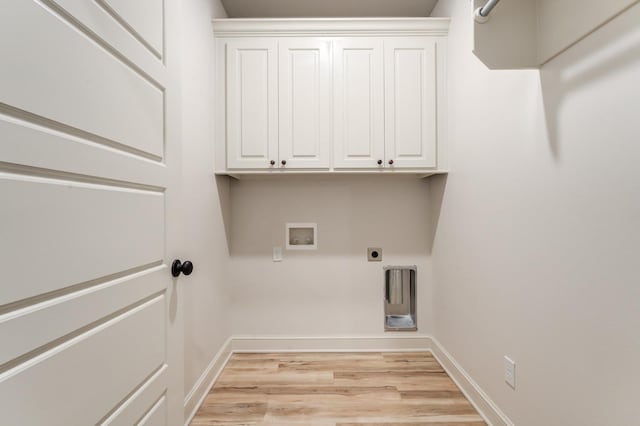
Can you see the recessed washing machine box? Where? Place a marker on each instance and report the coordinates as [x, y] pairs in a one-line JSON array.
[[301, 236]]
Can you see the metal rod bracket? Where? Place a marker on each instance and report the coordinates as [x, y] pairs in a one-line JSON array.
[[481, 14]]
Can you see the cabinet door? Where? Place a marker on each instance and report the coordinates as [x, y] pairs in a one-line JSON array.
[[358, 103], [410, 102], [252, 104], [304, 97]]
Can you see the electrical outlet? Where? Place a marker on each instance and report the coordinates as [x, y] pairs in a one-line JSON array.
[[277, 254], [510, 372], [374, 254]]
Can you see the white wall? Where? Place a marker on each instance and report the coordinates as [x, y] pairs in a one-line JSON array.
[[206, 299], [538, 231], [334, 290]]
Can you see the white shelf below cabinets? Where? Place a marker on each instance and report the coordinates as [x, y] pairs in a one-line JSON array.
[[262, 174]]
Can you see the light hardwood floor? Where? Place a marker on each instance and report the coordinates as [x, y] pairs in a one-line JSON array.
[[335, 389]]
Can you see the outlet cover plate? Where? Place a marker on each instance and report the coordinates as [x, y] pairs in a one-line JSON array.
[[510, 372], [277, 254], [374, 254]]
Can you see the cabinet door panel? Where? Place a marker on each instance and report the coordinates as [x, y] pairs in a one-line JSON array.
[[410, 102], [252, 104], [358, 103], [304, 97]]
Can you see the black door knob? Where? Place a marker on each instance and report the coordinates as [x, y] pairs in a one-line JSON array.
[[390, 161], [177, 267], [379, 162], [284, 162], [272, 162]]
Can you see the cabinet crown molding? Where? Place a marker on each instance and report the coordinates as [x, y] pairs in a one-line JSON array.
[[328, 27]]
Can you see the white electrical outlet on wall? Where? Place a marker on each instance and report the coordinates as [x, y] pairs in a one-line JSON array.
[[510, 372], [277, 254]]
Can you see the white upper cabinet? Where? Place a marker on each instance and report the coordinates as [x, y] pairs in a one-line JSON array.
[[358, 103], [252, 103], [305, 103], [323, 95], [410, 102]]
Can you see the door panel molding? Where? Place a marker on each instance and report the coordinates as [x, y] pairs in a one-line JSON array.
[[31, 148], [57, 381], [118, 103], [74, 222], [31, 121], [141, 401], [134, 17], [71, 314], [97, 23]]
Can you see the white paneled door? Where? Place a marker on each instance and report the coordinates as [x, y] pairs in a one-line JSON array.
[[410, 102], [304, 103], [358, 103], [90, 316], [252, 104]]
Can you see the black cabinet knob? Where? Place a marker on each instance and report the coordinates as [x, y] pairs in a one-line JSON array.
[[177, 267], [379, 162], [284, 162], [390, 161], [272, 162]]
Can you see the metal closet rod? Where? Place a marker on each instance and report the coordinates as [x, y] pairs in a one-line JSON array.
[[487, 8]]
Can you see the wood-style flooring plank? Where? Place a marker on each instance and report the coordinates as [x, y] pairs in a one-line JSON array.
[[335, 389]]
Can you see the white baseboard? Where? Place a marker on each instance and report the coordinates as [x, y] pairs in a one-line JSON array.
[[474, 393], [198, 393], [330, 343], [386, 343]]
